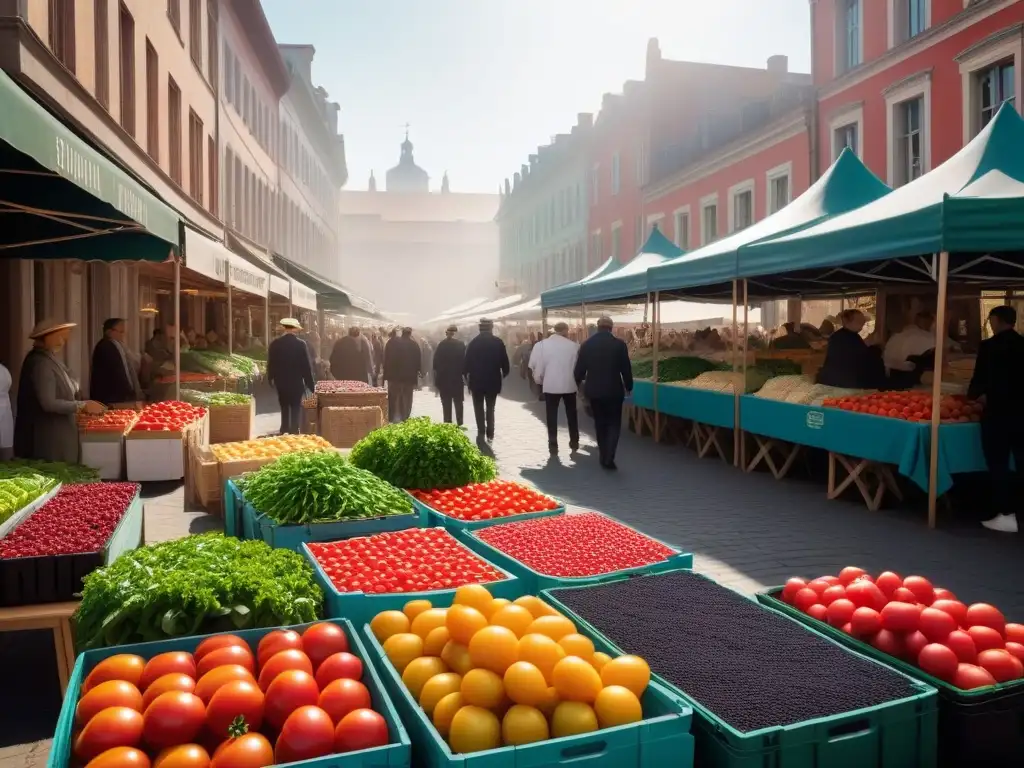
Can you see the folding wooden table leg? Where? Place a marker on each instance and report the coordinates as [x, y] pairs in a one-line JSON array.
[[61, 657]]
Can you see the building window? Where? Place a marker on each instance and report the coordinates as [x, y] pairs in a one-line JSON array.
[[616, 241], [996, 86], [909, 141], [908, 121], [907, 19], [845, 136], [127, 71], [848, 35], [174, 129], [639, 233], [152, 102], [213, 65], [682, 228], [238, 85], [595, 184], [779, 187], [102, 52], [742, 213], [195, 156], [195, 32], [616, 173], [174, 14], [709, 220], [641, 164], [214, 173], [229, 75], [62, 31]]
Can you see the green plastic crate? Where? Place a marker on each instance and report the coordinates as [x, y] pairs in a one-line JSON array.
[[440, 519], [898, 734], [534, 582], [662, 739], [394, 755]]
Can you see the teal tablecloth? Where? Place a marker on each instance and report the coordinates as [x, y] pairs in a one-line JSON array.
[[714, 408]]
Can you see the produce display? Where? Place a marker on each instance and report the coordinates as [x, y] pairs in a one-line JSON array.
[[749, 666], [21, 490], [421, 454], [214, 399], [724, 381], [967, 646], [490, 673], [229, 705], [909, 406], [322, 486], [268, 447], [779, 366], [681, 368], [486, 501], [331, 387], [803, 390], [110, 421], [218, 363], [413, 560], [58, 470], [79, 518], [186, 377], [167, 416], [552, 545], [196, 585]]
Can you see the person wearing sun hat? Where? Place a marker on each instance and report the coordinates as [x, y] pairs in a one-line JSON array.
[[49, 399], [290, 373]]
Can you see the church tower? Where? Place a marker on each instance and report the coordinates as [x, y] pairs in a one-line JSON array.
[[407, 176]]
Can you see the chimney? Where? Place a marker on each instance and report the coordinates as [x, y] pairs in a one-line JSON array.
[[778, 65], [301, 56], [533, 161], [516, 179]]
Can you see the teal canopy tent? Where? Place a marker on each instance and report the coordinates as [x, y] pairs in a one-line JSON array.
[[630, 280], [709, 271], [571, 294]]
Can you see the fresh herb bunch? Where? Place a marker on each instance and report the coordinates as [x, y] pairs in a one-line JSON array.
[[779, 366], [681, 368], [318, 487], [193, 586], [422, 455], [213, 399], [58, 470]]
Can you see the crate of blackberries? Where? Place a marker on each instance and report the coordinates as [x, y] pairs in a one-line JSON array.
[[765, 689]]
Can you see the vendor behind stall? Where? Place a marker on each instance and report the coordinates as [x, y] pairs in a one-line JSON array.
[[790, 339], [850, 362], [909, 353]]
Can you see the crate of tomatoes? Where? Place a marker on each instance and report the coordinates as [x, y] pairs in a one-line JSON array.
[[102, 441], [479, 505], [155, 446], [304, 696], [914, 405], [969, 652], [81, 528]]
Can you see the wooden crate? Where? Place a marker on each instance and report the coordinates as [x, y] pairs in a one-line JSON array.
[[232, 423], [344, 427]]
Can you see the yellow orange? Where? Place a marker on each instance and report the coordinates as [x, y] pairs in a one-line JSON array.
[[630, 672], [474, 729], [535, 606], [418, 671], [555, 627], [525, 684], [578, 645], [414, 608], [551, 701], [436, 688], [435, 641], [432, 618], [482, 688], [463, 622], [445, 710], [456, 656], [475, 596], [616, 705], [388, 623], [494, 648], [572, 718], [496, 605], [402, 648], [515, 617], [524, 725], [600, 659], [576, 680], [541, 651]]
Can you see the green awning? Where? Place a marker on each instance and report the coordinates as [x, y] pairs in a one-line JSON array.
[[62, 199], [331, 297]]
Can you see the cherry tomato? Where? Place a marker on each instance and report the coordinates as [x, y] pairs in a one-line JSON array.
[[985, 638], [173, 718], [275, 641], [290, 690], [238, 698], [888, 642], [251, 750], [290, 658], [176, 681], [112, 727], [818, 611], [805, 598], [962, 644], [123, 666], [888, 582], [1015, 633], [231, 654], [120, 757], [339, 666], [308, 733], [954, 608], [903, 595], [865, 622], [866, 594], [215, 678], [213, 642], [322, 640], [340, 697], [793, 586], [183, 756], [901, 617], [840, 612], [113, 693], [361, 729], [849, 574]]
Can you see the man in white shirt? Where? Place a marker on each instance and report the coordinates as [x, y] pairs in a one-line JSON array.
[[914, 340], [552, 363]]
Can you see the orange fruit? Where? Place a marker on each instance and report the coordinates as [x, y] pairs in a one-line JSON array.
[[524, 725], [414, 608], [541, 651], [496, 605], [535, 606], [572, 718], [456, 656], [388, 623], [600, 659], [475, 596], [402, 648], [616, 705], [435, 641], [436, 688], [482, 688], [463, 622], [494, 648], [576, 680], [578, 645], [514, 617], [630, 672], [432, 618], [445, 710], [555, 627], [474, 729], [525, 684], [418, 671]]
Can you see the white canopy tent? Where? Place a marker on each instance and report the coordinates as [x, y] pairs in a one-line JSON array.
[[458, 309]]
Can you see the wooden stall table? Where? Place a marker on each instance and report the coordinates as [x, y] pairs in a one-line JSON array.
[[871, 478], [778, 455], [52, 616]]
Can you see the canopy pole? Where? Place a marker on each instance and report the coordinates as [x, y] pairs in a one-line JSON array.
[[656, 325], [583, 309], [940, 354], [266, 323], [177, 328], [647, 305], [735, 379], [231, 312], [739, 402], [543, 323], [248, 318]]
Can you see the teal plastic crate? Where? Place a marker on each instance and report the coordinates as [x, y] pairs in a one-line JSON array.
[[437, 519], [360, 607], [897, 734], [232, 509], [396, 754], [662, 739], [534, 581]]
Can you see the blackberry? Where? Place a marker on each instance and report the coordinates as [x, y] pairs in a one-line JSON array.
[[752, 668]]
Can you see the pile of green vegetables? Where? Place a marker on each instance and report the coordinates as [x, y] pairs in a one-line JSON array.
[[58, 470], [214, 399], [419, 454], [319, 487], [20, 489], [219, 363], [194, 586], [779, 366], [681, 368]]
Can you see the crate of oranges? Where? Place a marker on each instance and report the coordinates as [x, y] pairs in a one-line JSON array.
[[478, 679]]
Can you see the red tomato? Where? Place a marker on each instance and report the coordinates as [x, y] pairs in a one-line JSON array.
[[173, 718], [215, 678], [804, 599], [120, 757], [275, 641], [221, 657], [113, 693], [165, 664], [962, 645], [251, 750], [183, 756], [833, 581], [954, 608], [793, 586], [819, 586], [888, 642], [971, 676], [339, 666], [903, 595], [833, 593], [1015, 632], [939, 661], [340, 697], [840, 612], [864, 593], [176, 681], [818, 611], [865, 622], [289, 658], [901, 617], [936, 625], [214, 642], [113, 727], [1017, 649], [921, 587], [122, 666], [290, 690], [361, 729], [308, 733], [985, 638], [985, 615], [239, 698], [849, 574], [322, 640], [914, 644], [944, 594], [1002, 665], [888, 582]]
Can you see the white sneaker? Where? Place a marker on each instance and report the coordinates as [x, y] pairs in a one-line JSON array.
[[1002, 523]]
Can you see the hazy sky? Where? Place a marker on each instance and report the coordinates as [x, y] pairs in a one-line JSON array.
[[484, 82]]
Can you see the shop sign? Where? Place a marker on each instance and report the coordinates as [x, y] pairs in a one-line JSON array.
[[815, 419], [88, 174], [280, 286], [243, 277], [302, 296]]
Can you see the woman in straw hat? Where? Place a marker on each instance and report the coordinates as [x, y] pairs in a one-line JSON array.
[[48, 399]]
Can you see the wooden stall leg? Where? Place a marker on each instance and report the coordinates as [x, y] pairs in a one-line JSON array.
[[859, 472], [60, 654]]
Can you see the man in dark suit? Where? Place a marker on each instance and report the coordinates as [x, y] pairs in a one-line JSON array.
[[449, 359], [113, 379], [403, 367], [351, 358], [290, 373], [485, 367], [998, 383], [606, 375]]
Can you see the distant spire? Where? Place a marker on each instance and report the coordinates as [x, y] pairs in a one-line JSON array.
[[373, 182], [444, 183]]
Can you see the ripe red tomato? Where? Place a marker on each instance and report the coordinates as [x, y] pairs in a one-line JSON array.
[[239, 698], [173, 718], [804, 599], [888, 642], [833, 593], [914, 644], [936, 625], [213, 642], [340, 697], [112, 727], [888, 582], [120, 757], [818, 611], [863, 593], [251, 750], [275, 641], [221, 657], [113, 693], [215, 678], [840, 612], [865, 622], [849, 574], [985, 615], [361, 729], [793, 586], [183, 756], [819, 586], [122, 666], [944, 594], [290, 658], [921, 587], [322, 640], [339, 666], [954, 608], [962, 645], [176, 681], [308, 733], [901, 617], [985, 638], [970, 676], [290, 690], [903, 595], [1001, 664], [939, 661], [1017, 649], [1015, 632], [165, 664]]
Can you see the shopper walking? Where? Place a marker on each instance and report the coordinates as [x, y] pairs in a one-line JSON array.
[[403, 367], [449, 359], [351, 358], [604, 366], [485, 367], [554, 369], [290, 373]]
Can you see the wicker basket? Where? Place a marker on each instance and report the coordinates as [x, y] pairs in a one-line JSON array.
[[310, 420], [232, 423], [344, 427], [360, 399]]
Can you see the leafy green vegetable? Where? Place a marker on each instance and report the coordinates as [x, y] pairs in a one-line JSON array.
[[681, 368], [421, 455], [779, 366], [213, 399], [196, 585], [320, 486], [220, 363], [58, 470], [20, 488]]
